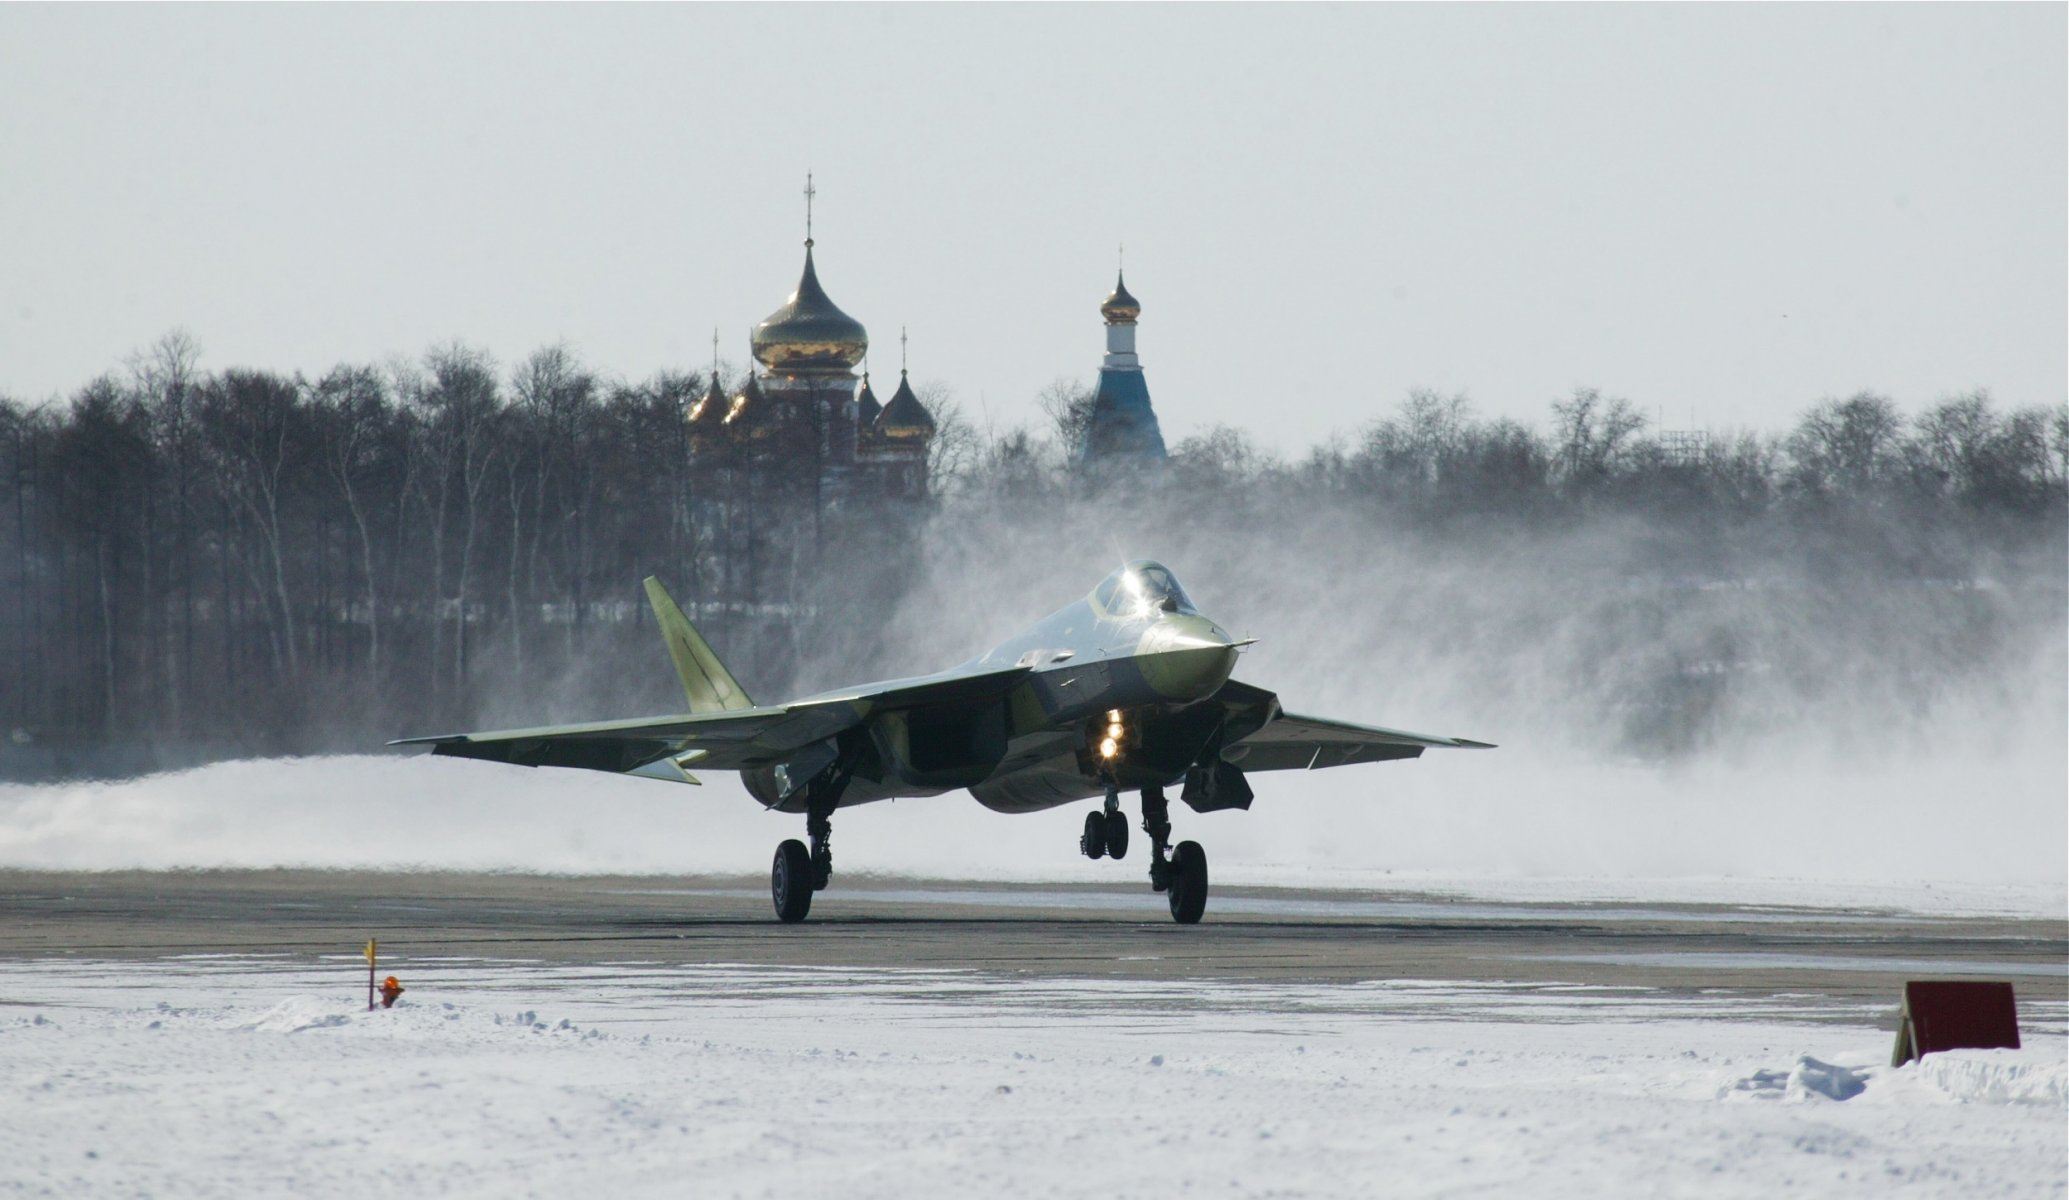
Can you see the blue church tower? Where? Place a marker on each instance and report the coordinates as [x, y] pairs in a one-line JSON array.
[[1123, 426]]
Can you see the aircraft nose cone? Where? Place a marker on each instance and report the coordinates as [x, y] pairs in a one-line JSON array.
[[1186, 657]]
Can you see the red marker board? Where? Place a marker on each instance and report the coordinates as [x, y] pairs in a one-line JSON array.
[[1947, 1015]]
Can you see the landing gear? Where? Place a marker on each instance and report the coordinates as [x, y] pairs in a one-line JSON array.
[[1116, 833], [1093, 841], [1156, 822], [800, 870], [1183, 875], [819, 827], [791, 881], [1188, 890], [1106, 829], [1116, 823]]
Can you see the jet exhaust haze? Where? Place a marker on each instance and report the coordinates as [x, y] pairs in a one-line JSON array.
[[1820, 712]]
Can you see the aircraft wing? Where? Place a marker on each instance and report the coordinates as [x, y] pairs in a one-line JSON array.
[[725, 740], [1291, 742]]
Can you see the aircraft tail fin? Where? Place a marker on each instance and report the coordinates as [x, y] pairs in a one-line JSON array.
[[705, 680]]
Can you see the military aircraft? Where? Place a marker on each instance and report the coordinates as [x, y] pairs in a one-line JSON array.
[[1127, 689]]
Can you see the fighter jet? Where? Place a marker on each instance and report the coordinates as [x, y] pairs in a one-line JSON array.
[[1127, 689]]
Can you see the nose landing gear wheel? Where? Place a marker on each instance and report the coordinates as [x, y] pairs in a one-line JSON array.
[[791, 882], [1188, 890], [1116, 823], [1093, 843]]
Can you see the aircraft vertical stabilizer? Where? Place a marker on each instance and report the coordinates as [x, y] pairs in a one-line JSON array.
[[705, 680]]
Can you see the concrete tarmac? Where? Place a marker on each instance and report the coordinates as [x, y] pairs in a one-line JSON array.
[[1838, 961]]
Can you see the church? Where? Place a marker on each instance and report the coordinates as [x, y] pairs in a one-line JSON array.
[[804, 415], [805, 405], [1122, 427]]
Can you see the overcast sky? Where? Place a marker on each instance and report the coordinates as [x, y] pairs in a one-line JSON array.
[[1723, 211]]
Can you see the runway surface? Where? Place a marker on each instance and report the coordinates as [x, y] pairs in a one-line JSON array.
[[1819, 958]]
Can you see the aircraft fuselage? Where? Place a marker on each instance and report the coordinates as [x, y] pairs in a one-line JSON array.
[[1127, 689], [1137, 656]]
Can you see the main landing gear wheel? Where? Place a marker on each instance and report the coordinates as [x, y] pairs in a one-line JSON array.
[[1156, 822], [1116, 823], [1188, 890], [1093, 843], [792, 880]]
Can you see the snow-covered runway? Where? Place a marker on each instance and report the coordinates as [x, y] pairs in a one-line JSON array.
[[1519, 974], [265, 1076]]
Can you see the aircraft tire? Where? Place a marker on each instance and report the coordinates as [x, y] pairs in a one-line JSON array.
[[790, 881], [1093, 843], [1188, 883], [1116, 823]]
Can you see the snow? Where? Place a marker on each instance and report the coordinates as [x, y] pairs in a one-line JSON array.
[[1808, 1078], [230, 1075], [1509, 825], [255, 1076]]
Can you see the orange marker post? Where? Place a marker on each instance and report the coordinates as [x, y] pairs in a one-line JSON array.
[[369, 952]]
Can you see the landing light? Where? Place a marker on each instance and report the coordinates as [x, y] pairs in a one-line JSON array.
[[1114, 715], [1109, 748], [1114, 730]]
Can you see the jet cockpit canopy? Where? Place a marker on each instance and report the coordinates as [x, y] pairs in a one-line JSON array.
[[1141, 589]]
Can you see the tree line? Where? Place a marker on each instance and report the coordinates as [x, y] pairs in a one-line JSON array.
[[204, 563]]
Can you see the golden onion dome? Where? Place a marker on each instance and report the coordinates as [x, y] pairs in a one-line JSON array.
[[1120, 308], [810, 335], [867, 406], [710, 408], [746, 405], [905, 416]]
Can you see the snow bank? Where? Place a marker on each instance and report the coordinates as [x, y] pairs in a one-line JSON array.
[[298, 1013], [2029, 1076], [1508, 820], [240, 1077], [2024, 1076]]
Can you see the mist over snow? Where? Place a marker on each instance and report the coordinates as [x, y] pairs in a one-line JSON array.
[[1599, 639], [1457, 821], [1669, 703]]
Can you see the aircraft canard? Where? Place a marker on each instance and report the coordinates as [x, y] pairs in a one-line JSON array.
[[1125, 689]]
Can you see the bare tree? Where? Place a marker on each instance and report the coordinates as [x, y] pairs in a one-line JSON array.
[[250, 419], [1593, 434], [463, 407], [1222, 461], [1068, 405], [165, 377], [1846, 445], [364, 534], [952, 453], [357, 420]]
